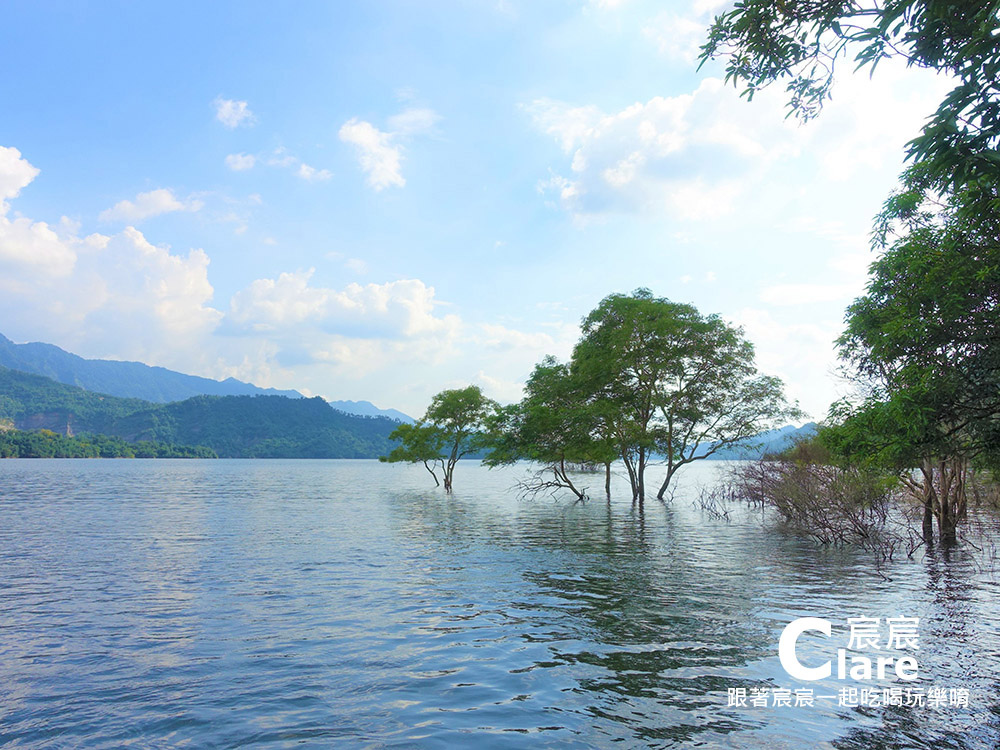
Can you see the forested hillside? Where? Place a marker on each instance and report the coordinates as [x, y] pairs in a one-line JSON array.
[[232, 426]]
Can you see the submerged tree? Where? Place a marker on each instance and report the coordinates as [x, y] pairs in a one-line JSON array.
[[924, 342], [453, 426], [801, 41], [666, 381], [556, 426]]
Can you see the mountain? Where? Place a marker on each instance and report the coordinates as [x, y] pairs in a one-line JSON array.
[[772, 441], [124, 379], [232, 426], [368, 409], [156, 384]]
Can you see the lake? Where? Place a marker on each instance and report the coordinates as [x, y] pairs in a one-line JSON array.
[[230, 603]]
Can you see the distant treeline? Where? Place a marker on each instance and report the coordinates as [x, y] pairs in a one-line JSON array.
[[49, 444]]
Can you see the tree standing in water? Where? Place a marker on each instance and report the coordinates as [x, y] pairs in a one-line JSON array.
[[923, 343], [453, 426], [667, 381], [555, 426]]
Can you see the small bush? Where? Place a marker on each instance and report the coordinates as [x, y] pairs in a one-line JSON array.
[[831, 504]]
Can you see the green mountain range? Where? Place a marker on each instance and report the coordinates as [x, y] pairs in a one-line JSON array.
[[136, 380], [265, 426]]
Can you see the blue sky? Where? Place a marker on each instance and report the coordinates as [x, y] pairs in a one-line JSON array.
[[378, 200]]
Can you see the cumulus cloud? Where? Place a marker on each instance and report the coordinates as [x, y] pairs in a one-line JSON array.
[[397, 309], [147, 205], [35, 246], [349, 335], [499, 389], [115, 296], [26, 246], [124, 296], [233, 113], [379, 152], [683, 153], [240, 162], [15, 173], [698, 154]]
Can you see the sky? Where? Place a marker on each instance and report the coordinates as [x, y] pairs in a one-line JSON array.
[[379, 200]]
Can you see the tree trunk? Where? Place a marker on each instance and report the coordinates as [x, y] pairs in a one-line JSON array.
[[449, 471], [927, 469], [607, 479], [563, 477], [632, 479], [666, 482], [428, 467], [641, 477], [951, 499], [928, 526]]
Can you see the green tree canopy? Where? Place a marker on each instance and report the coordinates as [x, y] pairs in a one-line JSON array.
[[453, 426], [555, 425], [667, 381], [923, 342]]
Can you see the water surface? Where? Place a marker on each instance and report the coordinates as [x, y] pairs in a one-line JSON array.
[[348, 603]]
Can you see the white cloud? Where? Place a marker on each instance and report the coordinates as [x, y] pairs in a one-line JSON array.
[[397, 309], [281, 158], [311, 174], [233, 113], [113, 296], [676, 37], [413, 120], [868, 120], [356, 265], [240, 162], [846, 280], [802, 354], [146, 205], [701, 7], [15, 173], [379, 152], [799, 294], [26, 246], [699, 154], [35, 247], [118, 296], [505, 339], [354, 336], [686, 153], [499, 389], [379, 158]]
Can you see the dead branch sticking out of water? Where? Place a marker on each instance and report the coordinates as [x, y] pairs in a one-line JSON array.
[[549, 480]]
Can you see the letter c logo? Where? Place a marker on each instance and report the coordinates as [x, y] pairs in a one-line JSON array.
[[786, 649]]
